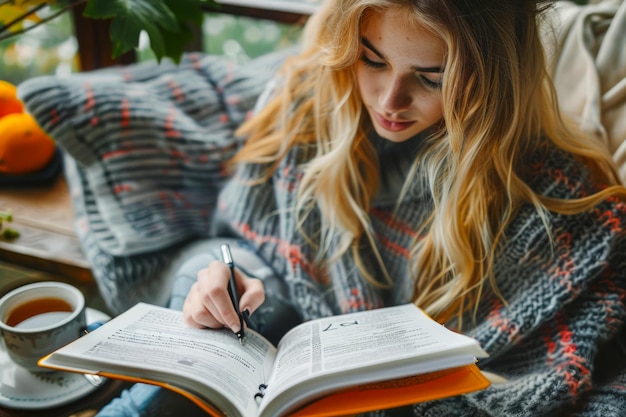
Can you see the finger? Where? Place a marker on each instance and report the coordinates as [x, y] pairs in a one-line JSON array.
[[252, 293], [213, 284], [195, 314], [199, 304]]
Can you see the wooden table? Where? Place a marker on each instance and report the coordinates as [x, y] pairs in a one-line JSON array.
[[44, 217]]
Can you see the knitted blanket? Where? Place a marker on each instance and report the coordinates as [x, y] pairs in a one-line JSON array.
[[555, 337], [145, 147]]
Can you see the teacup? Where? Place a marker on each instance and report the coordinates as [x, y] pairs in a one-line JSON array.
[[36, 319]]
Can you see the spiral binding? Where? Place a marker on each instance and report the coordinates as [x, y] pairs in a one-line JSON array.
[[261, 393]]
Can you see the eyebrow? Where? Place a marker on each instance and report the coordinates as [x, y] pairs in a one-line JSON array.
[[371, 47]]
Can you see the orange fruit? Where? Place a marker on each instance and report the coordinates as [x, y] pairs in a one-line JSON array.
[[9, 103], [24, 146]]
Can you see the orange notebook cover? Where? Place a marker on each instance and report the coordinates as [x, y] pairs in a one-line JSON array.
[[396, 393]]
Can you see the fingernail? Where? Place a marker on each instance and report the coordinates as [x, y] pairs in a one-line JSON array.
[[245, 315]]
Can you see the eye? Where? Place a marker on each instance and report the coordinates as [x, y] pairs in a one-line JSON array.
[[372, 64], [428, 83]]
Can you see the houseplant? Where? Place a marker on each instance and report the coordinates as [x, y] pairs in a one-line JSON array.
[[168, 23]]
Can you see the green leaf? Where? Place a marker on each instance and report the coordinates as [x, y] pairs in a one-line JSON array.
[[189, 14], [168, 23], [6, 215], [130, 17], [186, 10], [125, 34], [148, 11], [99, 9], [156, 42], [10, 234], [175, 43]]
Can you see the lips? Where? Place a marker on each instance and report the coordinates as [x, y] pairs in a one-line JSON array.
[[392, 125]]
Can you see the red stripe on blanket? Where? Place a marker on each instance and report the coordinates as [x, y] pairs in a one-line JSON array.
[[90, 98], [54, 115], [125, 107], [389, 244], [170, 119], [575, 369], [121, 188], [389, 220], [90, 102], [177, 92], [289, 251]]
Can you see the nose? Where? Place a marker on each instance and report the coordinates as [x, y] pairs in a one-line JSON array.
[[396, 96]]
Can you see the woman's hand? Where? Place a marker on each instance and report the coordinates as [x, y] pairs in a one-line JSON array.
[[208, 303]]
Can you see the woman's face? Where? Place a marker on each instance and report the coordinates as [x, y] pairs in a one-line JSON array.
[[399, 75]]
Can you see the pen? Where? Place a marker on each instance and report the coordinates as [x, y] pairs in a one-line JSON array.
[[232, 288]]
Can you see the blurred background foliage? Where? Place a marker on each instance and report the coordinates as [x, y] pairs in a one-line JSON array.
[[52, 48], [47, 49]]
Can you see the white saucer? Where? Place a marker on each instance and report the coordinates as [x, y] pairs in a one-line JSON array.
[[21, 389]]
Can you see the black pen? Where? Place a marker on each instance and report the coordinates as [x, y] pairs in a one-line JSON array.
[[232, 288]]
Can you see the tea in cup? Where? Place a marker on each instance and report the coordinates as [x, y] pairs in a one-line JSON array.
[[36, 319]]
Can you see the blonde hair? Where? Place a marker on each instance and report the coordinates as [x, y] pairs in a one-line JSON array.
[[495, 111]]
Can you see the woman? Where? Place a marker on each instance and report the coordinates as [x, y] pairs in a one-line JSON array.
[[414, 152]]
